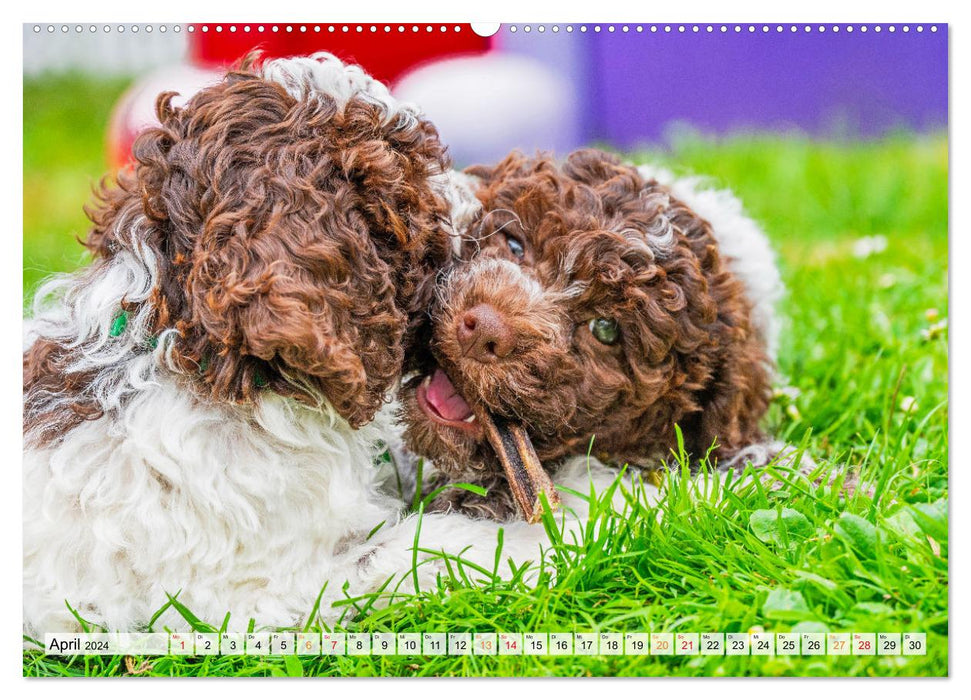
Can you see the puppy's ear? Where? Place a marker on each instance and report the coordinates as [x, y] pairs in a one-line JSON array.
[[309, 316], [593, 166], [731, 407], [291, 240], [398, 168], [267, 261], [513, 165], [721, 352]]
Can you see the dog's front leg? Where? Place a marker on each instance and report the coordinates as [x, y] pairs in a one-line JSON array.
[[497, 503]]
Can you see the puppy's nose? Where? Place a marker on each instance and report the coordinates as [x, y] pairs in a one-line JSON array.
[[484, 334]]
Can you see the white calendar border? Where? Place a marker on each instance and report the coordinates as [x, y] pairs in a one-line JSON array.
[[484, 644], [510, 11]]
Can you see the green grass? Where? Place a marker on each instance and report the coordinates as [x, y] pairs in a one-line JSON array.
[[865, 352], [65, 123]]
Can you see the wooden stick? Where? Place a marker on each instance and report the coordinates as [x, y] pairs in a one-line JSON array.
[[525, 473]]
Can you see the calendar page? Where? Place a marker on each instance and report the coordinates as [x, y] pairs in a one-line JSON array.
[[515, 349]]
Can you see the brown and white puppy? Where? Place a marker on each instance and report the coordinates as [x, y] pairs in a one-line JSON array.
[[596, 304], [295, 234], [198, 399]]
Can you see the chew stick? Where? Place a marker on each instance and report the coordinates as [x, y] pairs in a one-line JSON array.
[[525, 474]]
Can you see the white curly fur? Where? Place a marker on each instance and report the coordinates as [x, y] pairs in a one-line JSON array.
[[322, 73], [244, 509]]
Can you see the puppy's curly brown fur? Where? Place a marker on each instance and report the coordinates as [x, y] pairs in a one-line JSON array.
[[294, 241], [592, 239]]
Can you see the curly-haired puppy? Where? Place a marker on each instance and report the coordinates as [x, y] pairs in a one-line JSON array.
[[199, 400], [597, 303]]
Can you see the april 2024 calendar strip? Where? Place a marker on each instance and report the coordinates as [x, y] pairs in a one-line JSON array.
[[492, 644]]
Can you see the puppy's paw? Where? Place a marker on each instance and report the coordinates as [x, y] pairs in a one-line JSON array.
[[786, 458], [848, 481], [497, 503]]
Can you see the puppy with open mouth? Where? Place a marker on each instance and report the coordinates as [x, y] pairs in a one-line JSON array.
[[594, 304]]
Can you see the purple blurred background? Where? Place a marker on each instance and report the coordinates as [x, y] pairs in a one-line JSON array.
[[631, 87], [557, 87], [557, 90]]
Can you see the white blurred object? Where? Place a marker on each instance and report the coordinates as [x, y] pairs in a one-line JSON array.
[[136, 109], [120, 51], [869, 245], [485, 106], [183, 79]]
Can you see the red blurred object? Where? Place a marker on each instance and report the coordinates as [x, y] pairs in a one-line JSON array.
[[386, 55]]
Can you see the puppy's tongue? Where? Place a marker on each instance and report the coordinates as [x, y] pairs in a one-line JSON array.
[[524, 472], [445, 399]]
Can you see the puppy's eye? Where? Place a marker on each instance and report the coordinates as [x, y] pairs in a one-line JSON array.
[[605, 330], [515, 247]]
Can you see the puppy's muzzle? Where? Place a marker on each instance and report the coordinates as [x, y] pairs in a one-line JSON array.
[[484, 334]]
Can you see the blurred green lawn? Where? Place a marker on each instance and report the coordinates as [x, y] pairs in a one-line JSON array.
[[65, 123], [865, 353]]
